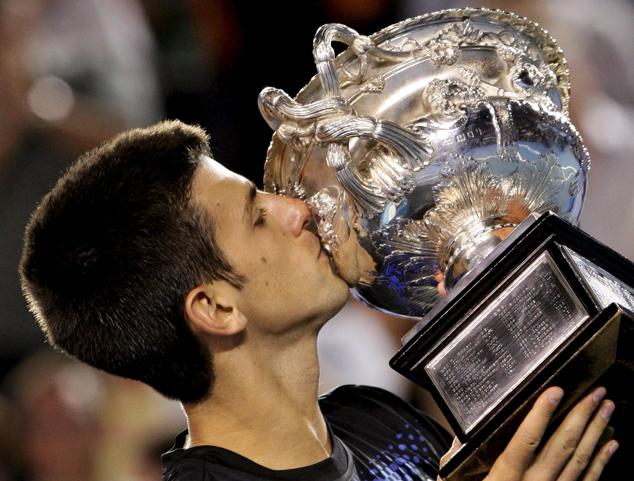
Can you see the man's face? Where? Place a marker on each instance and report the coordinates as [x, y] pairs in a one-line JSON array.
[[289, 280]]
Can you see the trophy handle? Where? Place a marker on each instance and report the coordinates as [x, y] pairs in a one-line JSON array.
[[413, 151], [362, 46], [406, 144], [412, 154], [277, 107], [332, 122]]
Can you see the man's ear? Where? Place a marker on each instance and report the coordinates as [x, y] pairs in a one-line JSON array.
[[212, 308]]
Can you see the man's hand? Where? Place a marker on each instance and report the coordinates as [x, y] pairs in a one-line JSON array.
[[571, 452]]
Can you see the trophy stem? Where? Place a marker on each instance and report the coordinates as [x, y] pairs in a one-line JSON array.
[[471, 244]]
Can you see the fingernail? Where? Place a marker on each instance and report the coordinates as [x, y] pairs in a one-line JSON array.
[[606, 410], [598, 394], [556, 396], [613, 447]]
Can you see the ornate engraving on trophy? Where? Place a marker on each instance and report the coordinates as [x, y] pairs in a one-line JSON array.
[[455, 119], [502, 345], [604, 286]]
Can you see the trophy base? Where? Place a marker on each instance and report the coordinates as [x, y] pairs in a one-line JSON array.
[[549, 306], [595, 357]]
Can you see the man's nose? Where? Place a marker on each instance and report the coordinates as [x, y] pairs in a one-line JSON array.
[[297, 215]]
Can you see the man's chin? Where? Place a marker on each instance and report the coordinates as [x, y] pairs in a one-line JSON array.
[[339, 296]]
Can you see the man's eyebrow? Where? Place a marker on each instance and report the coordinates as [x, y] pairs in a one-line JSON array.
[[248, 206]]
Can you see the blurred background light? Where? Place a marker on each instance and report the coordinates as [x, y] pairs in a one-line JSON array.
[[51, 98]]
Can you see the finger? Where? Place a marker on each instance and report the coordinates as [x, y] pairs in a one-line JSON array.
[[564, 441], [600, 460], [520, 451], [589, 441]]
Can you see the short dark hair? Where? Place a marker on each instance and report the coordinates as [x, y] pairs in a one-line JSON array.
[[112, 251]]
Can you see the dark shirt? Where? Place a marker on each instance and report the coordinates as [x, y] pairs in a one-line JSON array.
[[376, 436]]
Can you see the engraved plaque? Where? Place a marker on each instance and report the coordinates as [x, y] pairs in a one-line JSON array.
[[605, 288], [506, 342]]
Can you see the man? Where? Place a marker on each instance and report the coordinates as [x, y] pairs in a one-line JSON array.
[[150, 260]]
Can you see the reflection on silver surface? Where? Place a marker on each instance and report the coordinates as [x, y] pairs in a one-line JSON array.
[[506, 342], [604, 287], [429, 141]]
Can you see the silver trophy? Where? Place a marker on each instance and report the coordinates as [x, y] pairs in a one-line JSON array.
[[446, 178]]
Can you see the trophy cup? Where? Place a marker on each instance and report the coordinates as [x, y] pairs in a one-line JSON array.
[[441, 165]]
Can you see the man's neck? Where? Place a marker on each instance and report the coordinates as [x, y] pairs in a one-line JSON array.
[[264, 405]]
